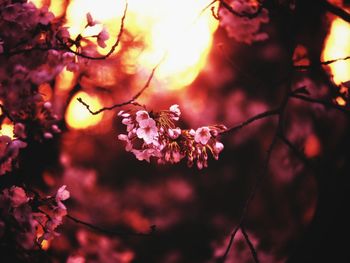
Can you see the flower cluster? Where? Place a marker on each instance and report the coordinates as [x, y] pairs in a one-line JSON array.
[[154, 134], [243, 28], [28, 219], [9, 150]]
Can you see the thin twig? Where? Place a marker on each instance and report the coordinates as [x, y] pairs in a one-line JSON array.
[[280, 113], [130, 101], [207, 6], [111, 232], [325, 103], [250, 245], [327, 62], [294, 149], [69, 49], [249, 199], [338, 11], [252, 119], [115, 45]]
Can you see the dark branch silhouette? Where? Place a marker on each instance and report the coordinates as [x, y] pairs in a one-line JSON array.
[[128, 102], [335, 10], [63, 46], [112, 232], [250, 244], [280, 113], [325, 103], [294, 149], [327, 62], [259, 116], [115, 45]]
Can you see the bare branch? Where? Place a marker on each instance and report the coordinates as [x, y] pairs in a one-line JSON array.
[[207, 6], [343, 14], [250, 245], [294, 149], [327, 62], [130, 101], [280, 113], [115, 45], [252, 119], [64, 46], [110, 232], [325, 103], [249, 199]]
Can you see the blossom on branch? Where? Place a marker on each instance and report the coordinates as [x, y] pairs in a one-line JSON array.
[[30, 219], [154, 134]]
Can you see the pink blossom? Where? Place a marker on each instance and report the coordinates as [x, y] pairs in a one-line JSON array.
[[217, 148], [62, 194], [19, 131], [141, 115], [175, 109], [63, 34], [76, 259], [45, 17], [72, 67], [102, 37], [173, 155], [48, 135], [125, 138], [40, 76], [174, 133], [17, 196], [90, 20], [167, 142], [202, 135], [1, 46], [148, 131], [55, 128], [145, 154], [9, 150]]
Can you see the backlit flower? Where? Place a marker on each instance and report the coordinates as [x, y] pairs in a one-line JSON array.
[[148, 131], [202, 135]]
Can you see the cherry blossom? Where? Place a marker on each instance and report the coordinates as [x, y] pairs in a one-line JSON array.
[[147, 131], [162, 140], [90, 21], [17, 196], [9, 150], [102, 37], [202, 135], [31, 213]]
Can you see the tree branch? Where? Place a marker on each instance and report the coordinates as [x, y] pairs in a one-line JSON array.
[[249, 199], [335, 10], [115, 45], [327, 62], [294, 149], [250, 245], [252, 119], [130, 101], [280, 113], [325, 103], [64, 46], [110, 232]]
